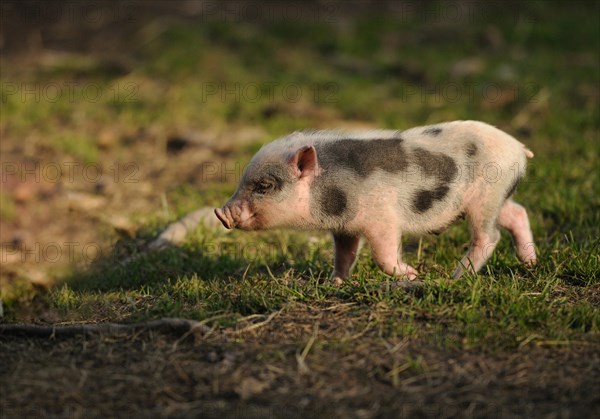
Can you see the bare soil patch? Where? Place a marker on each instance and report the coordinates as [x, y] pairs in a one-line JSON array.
[[303, 362]]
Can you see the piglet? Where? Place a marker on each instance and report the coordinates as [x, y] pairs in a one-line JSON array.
[[381, 184]]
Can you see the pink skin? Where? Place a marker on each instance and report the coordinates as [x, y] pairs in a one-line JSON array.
[[378, 222], [236, 213], [245, 212], [485, 236], [513, 217], [385, 247]]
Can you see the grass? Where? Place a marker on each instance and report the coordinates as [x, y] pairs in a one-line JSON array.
[[379, 74], [242, 274]]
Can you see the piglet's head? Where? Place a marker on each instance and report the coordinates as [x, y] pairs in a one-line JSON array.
[[273, 192]]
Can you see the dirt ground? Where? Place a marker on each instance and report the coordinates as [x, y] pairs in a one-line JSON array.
[[305, 362]]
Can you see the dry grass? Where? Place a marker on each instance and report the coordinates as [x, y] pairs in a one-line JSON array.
[[350, 370]]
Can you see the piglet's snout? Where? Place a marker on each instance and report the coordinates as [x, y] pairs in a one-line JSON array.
[[235, 214], [224, 215]]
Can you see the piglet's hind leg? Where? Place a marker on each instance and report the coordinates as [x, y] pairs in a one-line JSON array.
[[484, 238], [513, 217]]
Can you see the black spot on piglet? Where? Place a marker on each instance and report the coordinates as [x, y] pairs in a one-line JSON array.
[[424, 199], [433, 131], [471, 149], [364, 156], [436, 165], [333, 201]]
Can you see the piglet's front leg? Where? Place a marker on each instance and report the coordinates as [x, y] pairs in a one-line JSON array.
[[346, 250], [385, 246]]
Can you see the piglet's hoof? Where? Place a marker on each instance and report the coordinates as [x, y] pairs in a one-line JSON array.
[[339, 282], [336, 281]]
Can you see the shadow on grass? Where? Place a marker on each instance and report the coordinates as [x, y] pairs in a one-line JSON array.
[[206, 275], [151, 270], [171, 282]]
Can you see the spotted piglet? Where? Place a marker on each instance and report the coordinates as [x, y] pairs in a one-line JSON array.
[[380, 184]]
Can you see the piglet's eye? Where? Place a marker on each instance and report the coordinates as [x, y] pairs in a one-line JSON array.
[[263, 188]]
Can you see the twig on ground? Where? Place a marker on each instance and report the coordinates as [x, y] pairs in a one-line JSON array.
[[176, 232], [259, 324], [165, 325]]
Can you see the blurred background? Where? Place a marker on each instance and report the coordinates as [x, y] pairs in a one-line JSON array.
[[119, 117]]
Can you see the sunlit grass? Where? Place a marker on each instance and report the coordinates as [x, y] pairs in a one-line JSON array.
[[195, 76]]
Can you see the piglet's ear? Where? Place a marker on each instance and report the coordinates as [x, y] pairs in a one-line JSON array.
[[304, 162]]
